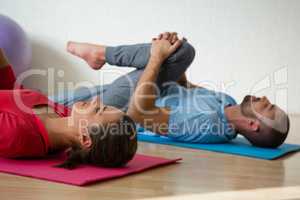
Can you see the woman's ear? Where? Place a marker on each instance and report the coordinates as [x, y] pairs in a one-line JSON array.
[[84, 137], [86, 140]]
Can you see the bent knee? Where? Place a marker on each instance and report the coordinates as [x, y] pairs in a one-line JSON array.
[[186, 53]]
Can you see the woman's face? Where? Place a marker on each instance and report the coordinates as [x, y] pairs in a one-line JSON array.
[[85, 113]]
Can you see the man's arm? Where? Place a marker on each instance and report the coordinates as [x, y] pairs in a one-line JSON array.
[[142, 105]]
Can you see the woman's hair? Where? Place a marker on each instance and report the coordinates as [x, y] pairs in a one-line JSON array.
[[113, 145]]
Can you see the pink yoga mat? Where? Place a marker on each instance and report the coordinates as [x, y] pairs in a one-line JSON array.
[[83, 175]]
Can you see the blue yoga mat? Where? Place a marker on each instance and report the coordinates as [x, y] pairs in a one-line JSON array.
[[238, 146]]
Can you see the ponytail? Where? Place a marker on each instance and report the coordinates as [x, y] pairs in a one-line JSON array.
[[113, 146], [76, 156]]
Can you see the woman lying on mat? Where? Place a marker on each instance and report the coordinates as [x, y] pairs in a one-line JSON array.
[[166, 103], [32, 126]]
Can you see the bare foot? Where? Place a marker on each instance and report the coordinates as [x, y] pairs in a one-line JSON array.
[[93, 54]]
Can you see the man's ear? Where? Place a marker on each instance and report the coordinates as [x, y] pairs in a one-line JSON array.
[[253, 125]]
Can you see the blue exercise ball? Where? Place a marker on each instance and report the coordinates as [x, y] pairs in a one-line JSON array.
[[16, 45]]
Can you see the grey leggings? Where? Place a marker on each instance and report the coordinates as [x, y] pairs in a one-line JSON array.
[[118, 93]]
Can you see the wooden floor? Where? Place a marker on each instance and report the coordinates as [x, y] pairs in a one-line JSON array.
[[201, 175]]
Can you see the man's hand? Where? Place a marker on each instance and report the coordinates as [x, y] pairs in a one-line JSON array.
[[142, 108], [171, 36], [163, 46]]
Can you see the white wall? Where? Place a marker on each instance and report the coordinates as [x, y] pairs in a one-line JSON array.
[[237, 41]]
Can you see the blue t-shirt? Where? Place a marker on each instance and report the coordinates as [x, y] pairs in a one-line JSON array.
[[197, 115]]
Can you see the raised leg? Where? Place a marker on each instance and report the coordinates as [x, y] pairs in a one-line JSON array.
[[68, 98], [120, 91]]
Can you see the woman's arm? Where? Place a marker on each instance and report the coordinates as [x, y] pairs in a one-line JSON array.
[[142, 105], [3, 60], [7, 76]]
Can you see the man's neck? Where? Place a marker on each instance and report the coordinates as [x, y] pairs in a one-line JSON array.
[[233, 115]]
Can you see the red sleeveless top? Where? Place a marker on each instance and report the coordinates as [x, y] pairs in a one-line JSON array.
[[22, 133]]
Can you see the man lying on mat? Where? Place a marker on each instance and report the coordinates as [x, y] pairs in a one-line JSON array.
[[158, 96]]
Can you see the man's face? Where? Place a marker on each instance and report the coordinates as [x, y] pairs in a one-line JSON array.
[[253, 106]]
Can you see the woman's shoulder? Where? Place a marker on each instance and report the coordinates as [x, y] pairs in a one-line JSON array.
[[19, 137]]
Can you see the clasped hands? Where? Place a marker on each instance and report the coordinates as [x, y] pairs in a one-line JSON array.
[[164, 45]]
